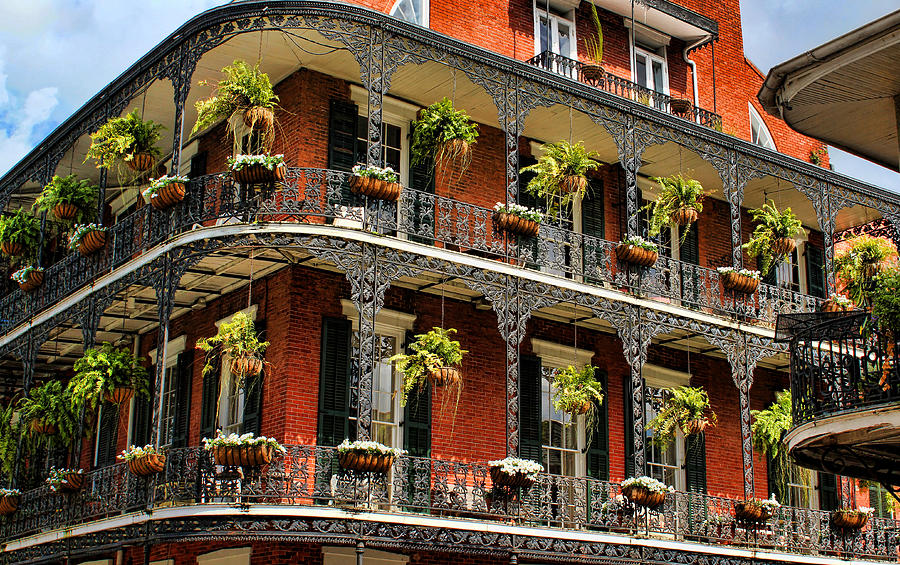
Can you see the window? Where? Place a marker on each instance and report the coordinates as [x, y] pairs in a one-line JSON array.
[[650, 70], [665, 465], [881, 501], [787, 272], [232, 397], [396, 117], [169, 397], [413, 11], [555, 33], [391, 143], [759, 133]]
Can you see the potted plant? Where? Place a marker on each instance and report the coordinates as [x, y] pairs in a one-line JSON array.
[[680, 201], [48, 411], [367, 456], [636, 250], [593, 73], [9, 500], [434, 358], [65, 480], [444, 136], [858, 265], [561, 173], [257, 169], [773, 238], [755, 509], [513, 472], [88, 239], [143, 461], [68, 198], [645, 491], [767, 430], [245, 94], [685, 408], [166, 191], [517, 219], [238, 341], [127, 138], [29, 278], [108, 373], [375, 182], [577, 393], [851, 518], [837, 303], [242, 450], [742, 281], [19, 232]]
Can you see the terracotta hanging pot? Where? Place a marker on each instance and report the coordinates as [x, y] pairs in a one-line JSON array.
[[849, 521], [783, 246], [643, 496], [141, 162], [573, 184], [365, 462], [242, 455], [694, 427], [34, 280], [42, 427], [147, 464], [258, 174], [634, 255], [259, 118], [65, 211], [12, 248], [8, 504], [376, 188], [510, 480], [685, 215], [168, 196], [736, 282], [119, 395], [246, 366], [444, 376], [516, 225], [92, 242]]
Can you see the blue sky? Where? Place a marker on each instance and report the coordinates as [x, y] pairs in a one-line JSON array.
[[55, 54]]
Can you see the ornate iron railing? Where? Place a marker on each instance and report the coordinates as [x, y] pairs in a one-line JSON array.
[[311, 476], [840, 363], [599, 78], [319, 196]]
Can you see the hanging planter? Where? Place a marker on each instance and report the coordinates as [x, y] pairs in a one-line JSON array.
[[232, 450], [744, 281], [127, 138], [20, 232], [637, 251], [593, 73], [444, 376], [578, 393], [645, 491], [755, 509], [143, 461], [166, 191], [434, 357], [9, 500], [680, 201], [107, 373], [51, 415], [680, 106], [375, 182], [257, 169], [684, 407], [517, 219], [238, 340], [247, 365], [773, 237], [783, 246], [12, 248], [119, 395], [366, 456], [858, 265], [685, 216], [42, 427], [561, 174], [88, 239], [65, 480], [850, 518], [443, 136], [65, 211], [513, 472], [141, 162], [29, 278], [68, 198], [837, 303]]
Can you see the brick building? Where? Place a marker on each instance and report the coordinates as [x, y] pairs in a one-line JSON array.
[[338, 284]]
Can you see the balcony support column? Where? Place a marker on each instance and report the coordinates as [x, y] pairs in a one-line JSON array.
[[827, 221], [101, 199], [376, 81], [165, 283], [181, 85], [635, 342], [29, 358], [630, 152], [733, 189], [360, 552]]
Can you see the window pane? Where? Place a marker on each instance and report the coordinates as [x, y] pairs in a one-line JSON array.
[[641, 69], [658, 80], [564, 43], [545, 35]]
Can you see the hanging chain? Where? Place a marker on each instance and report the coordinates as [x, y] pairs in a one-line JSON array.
[[442, 302], [250, 284]]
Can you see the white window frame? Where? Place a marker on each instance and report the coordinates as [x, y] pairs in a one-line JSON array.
[[651, 55], [656, 376], [755, 116], [174, 348], [222, 405], [557, 356], [567, 18], [425, 11], [389, 323], [232, 556], [394, 112]]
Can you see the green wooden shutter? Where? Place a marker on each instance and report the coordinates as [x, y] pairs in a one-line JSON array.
[[828, 492], [342, 143], [628, 427], [334, 381], [530, 247], [772, 478], [107, 434], [772, 277], [689, 252], [598, 451], [421, 206], [253, 394], [417, 418], [592, 220], [695, 462], [530, 407], [815, 270], [140, 421], [210, 401], [184, 373], [198, 165]]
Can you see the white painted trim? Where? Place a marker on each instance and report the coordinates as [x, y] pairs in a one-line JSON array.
[[336, 555], [231, 556], [558, 355], [662, 377], [386, 321], [174, 348], [325, 513], [250, 311]]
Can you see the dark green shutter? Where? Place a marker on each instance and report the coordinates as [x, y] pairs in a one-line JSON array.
[[198, 165], [772, 479], [598, 451], [334, 381], [689, 252], [695, 463], [530, 407], [530, 248], [140, 421], [592, 220], [815, 271], [628, 426], [772, 277], [184, 368], [420, 205], [828, 492], [417, 440], [107, 434], [253, 393], [210, 400], [342, 143]]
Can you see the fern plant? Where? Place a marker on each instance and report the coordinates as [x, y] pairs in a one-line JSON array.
[[676, 193], [767, 432], [431, 351], [103, 369], [51, 404], [577, 391], [858, 266], [682, 406], [236, 338], [772, 225], [69, 190], [120, 139], [593, 44], [443, 134], [11, 430], [886, 301], [562, 167], [22, 228]]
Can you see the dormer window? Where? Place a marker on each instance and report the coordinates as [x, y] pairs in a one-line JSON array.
[[412, 11], [759, 133]]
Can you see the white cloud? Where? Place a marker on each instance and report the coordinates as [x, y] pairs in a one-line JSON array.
[[20, 123]]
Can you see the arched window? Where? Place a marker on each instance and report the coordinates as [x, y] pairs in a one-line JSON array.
[[759, 133], [414, 11]]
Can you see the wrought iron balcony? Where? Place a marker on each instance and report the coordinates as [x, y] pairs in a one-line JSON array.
[[845, 385], [310, 476], [318, 196], [576, 70]]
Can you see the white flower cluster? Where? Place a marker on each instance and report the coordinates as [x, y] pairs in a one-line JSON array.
[[514, 465], [840, 300], [245, 440], [520, 211], [21, 276], [82, 230], [372, 447], [135, 452], [648, 483], [639, 241], [58, 476], [865, 510], [238, 162], [161, 182], [769, 504], [618, 502], [746, 272], [386, 174], [9, 492]]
